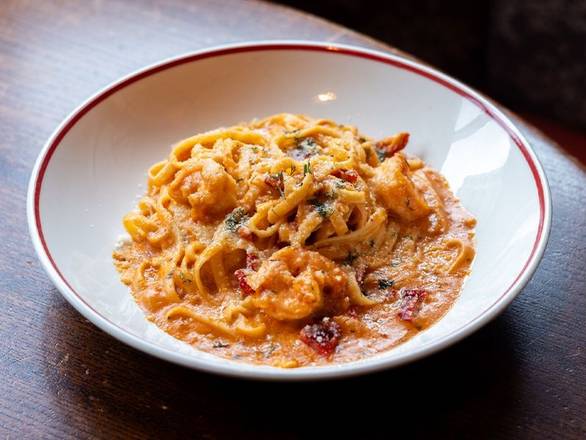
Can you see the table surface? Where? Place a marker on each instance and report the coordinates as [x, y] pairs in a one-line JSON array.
[[522, 376]]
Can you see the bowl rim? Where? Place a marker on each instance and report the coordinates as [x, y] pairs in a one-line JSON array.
[[252, 371]]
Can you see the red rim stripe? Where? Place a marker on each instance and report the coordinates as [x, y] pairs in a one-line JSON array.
[[298, 46]]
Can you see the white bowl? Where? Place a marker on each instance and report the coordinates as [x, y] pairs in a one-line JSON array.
[[92, 170]]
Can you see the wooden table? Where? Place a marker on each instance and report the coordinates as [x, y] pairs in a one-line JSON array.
[[522, 376]]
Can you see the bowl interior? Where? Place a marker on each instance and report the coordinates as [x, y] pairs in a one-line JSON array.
[[98, 168]]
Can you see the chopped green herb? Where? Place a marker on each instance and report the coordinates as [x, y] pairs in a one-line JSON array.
[[381, 155], [235, 219], [304, 148], [255, 149], [307, 169], [308, 144], [384, 284], [323, 208]]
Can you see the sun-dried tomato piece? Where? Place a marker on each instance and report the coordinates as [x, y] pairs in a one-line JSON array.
[[252, 261], [411, 300], [323, 336], [240, 275], [347, 175], [390, 145]]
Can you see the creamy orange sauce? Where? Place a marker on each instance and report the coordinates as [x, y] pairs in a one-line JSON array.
[[239, 258]]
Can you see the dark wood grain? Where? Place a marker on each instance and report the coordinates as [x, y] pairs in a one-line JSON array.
[[522, 376]]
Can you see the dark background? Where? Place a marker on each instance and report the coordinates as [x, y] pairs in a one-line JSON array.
[[528, 54]]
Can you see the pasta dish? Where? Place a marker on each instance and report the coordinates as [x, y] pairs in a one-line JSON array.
[[293, 241]]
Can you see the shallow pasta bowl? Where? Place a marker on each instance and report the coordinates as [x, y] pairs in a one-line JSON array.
[[92, 169]]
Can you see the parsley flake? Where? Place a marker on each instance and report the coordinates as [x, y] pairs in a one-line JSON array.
[[235, 219], [382, 155], [324, 209], [384, 284]]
